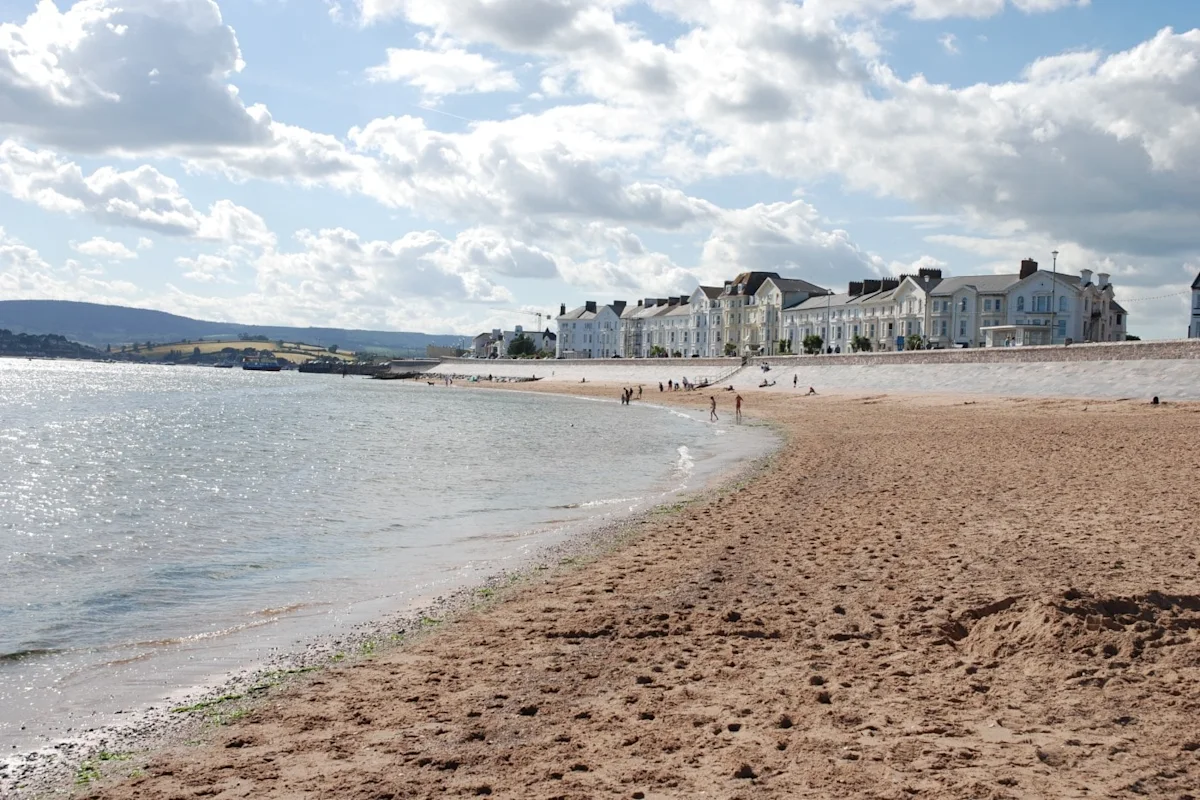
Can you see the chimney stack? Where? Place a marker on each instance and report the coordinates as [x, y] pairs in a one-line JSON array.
[[929, 273], [856, 288], [590, 306], [1028, 267], [562, 310], [1085, 277], [871, 286], [619, 306], [889, 284], [1102, 280]]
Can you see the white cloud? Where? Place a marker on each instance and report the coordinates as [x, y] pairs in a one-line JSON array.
[[337, 266], [24, 274], [788, 238], [207, 268], [492, 174], [450, 70], [141, 198], [144, 243], [949, 43], [106, 249], [132, 76]]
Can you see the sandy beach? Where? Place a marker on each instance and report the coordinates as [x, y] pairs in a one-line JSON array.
[[917, 597]]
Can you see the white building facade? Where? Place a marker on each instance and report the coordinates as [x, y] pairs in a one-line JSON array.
[[759, 313], [1194, 327], [590, 331]]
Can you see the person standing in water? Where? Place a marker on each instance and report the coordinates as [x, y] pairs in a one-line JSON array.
[[738, 408], [712, 409], [795, 380]]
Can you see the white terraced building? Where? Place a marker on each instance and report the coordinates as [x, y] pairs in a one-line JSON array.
[[1194, 327], [760, 313]]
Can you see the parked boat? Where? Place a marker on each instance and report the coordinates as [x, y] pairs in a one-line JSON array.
[[263, 362]]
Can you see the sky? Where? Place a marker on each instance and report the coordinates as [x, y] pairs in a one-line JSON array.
[[453, 166]]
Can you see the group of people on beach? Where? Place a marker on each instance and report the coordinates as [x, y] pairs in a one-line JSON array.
[[685, 385], [627, 395]]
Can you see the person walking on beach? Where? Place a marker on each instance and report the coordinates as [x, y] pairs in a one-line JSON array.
[[712, 409], [660, 386], [738, 408], [795, 380], [639, 393]]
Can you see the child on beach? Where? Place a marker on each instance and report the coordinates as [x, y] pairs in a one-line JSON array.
[[738, 407], [712, 409]]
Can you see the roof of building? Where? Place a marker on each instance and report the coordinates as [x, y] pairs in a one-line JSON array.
[[1196, 283], [746, 283], [798, 285], [982, 283], [825, 301], [926, 285], [713, 292], [1118, 307], [578, 313]]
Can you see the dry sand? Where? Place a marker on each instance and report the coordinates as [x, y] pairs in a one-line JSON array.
[[918, 598]]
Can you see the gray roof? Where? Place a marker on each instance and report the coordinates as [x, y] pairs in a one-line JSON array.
[[713, 292], [825, 301], [798, 285], [749, 283], [578, 313], [987, 284], [1118, 307]]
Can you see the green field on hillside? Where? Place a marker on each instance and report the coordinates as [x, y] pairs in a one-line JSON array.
[[296, 352]]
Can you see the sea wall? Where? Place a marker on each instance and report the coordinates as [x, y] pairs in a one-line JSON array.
[[1169, 379], [616, 370], [1105, 351], [1168, 369]]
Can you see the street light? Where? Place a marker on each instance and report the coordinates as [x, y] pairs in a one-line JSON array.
[[1053, 291]]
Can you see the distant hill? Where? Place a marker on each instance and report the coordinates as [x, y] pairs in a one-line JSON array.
[[100, 325]]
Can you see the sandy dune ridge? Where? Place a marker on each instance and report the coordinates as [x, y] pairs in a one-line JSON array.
[[919, 597]]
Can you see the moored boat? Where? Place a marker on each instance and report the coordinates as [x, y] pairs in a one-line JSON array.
[[262, 362]]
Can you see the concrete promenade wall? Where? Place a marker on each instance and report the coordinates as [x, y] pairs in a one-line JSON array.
[[616, 370], [1169, 369], [1105, 351], [1137, 370]]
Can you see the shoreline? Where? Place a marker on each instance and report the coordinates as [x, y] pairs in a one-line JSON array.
[[934, 596], [193, 712]]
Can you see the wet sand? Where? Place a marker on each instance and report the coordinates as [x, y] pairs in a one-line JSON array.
[[918, 597]]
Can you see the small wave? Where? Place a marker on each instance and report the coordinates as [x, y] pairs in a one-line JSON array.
[[612, 501], [275, 612], [199, 637], [685, 463], [33, 652]]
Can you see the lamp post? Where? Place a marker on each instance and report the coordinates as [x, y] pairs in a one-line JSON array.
[[1053, 291]]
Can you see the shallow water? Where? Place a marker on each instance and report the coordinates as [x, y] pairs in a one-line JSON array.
[[163, 526]]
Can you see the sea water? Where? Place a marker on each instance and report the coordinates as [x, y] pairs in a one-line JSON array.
[[164, 526]]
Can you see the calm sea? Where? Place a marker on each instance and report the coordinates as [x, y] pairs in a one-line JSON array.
[[164, 526]]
